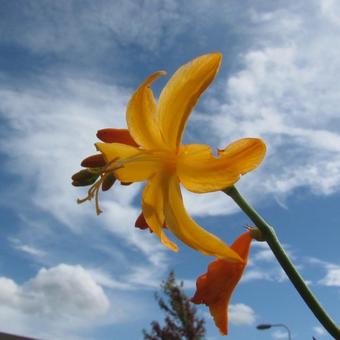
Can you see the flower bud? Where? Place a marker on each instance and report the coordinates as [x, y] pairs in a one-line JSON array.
[[116, 136]]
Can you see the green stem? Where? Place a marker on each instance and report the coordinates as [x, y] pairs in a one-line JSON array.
[[294, 276]]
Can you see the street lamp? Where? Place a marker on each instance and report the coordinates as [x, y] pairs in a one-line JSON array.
[[265, 326]]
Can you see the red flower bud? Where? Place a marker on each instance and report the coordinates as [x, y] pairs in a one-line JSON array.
[[116, 136]]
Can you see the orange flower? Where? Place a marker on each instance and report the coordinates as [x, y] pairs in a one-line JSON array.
[[215, 287], [151, 151]]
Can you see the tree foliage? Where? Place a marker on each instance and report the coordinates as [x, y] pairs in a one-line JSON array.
[[181, 320]]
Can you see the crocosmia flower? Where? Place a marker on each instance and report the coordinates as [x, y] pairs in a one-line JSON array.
[[215, 287], [151, 151]]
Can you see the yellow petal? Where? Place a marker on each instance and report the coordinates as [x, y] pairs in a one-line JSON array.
[[181, 94], [135, 165], [200, 171], [244, 155], [153, 207], [188, 231], [141, 115]]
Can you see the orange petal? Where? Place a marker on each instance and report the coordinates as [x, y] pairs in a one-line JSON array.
[[219, 312], [181, 94], [244, 155], [153, 207], [216, 287], [130, 164], [188, 231], [200, 171], [116, 136], [141, 115]]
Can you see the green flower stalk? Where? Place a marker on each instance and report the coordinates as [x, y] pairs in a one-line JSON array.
[[270, 237]]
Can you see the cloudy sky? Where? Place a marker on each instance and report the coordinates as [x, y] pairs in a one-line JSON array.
[[68, 68]]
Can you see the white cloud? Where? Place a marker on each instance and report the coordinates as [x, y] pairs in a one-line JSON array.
[[319, 331], [279, 334], [65, 290], [332, 277], [268, 274], [28, 249], [209, 204], [51, 126], [69, 28], [57, 121], [265, 255], [60, 298], [286, 92], [241, 315], [262, 265]]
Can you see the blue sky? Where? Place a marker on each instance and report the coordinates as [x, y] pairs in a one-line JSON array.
[[68, 68]]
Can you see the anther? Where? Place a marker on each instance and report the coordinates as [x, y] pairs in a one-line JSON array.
[[94, 161], [84, 178], [108, 181]]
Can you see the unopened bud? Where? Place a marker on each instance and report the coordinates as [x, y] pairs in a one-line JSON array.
[[94, 161], [116, 136], [108, 181]]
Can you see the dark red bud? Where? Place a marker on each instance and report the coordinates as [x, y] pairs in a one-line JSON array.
[[116, 136], [108, 181], [94, 161]]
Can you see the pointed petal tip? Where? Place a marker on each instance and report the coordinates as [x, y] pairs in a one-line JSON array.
[[181, 94], [152, 77], [214, 55], [172, 246], [216, 58], [223, 332], [217, 55]]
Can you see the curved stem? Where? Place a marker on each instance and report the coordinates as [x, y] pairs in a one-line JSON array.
[[294, 276]]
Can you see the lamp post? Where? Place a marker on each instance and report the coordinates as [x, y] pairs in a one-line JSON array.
[[265, 326]]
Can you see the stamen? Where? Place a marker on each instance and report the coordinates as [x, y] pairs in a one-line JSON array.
[[94, 161], [108, 181], [104, 173], [98, 210]]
